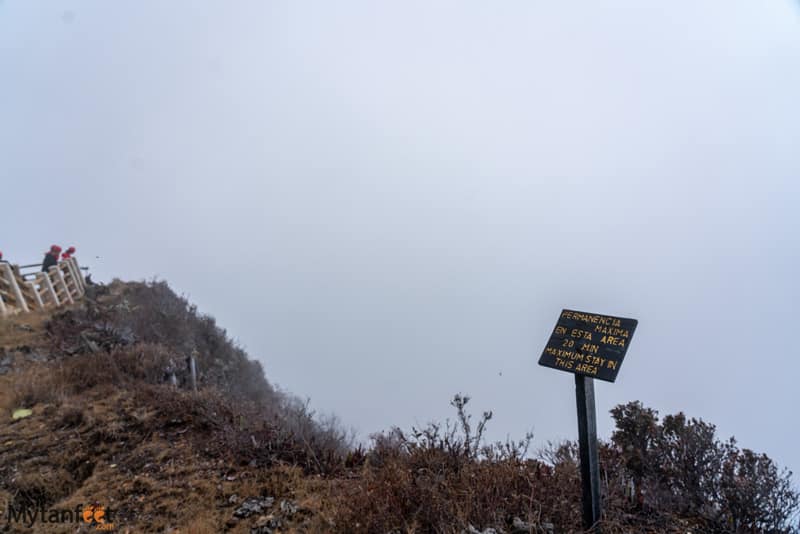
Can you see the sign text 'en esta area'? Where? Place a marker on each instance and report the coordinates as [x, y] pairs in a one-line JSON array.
[[589, 344]]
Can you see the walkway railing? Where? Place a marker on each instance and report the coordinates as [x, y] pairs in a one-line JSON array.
[[62, 284]]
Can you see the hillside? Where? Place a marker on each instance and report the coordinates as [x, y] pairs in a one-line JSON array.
[[116, 423]]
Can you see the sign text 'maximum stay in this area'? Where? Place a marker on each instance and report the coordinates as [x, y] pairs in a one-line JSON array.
[[589, 344]]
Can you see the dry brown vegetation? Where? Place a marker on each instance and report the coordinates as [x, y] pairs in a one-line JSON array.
[[108, 426]]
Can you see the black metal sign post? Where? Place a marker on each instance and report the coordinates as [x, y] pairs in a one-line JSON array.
[[590, 346], [590, 462]]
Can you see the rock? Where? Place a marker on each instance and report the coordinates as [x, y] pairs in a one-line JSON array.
[[273, 522], [266, 524], [36, 356], [23, 352], [472, 530], [253, 505], [288, 508], [89, 344], [6, 362], [519, 526], [233, 499]]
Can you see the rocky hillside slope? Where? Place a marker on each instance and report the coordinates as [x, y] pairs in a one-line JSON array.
[[115, 425], [109, 427]]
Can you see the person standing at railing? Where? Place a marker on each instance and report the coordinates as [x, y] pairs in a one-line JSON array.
[[1, 257], [51, 258], [68, 254]]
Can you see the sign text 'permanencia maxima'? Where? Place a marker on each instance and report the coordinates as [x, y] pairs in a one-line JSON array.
[[588, 344]]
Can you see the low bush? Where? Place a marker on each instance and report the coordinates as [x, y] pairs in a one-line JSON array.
[[678, 467], [142, 332], [665, 476], [443, 478]]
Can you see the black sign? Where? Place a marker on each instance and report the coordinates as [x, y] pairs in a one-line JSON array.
[[589, 344]]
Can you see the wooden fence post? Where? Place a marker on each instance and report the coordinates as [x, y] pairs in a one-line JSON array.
[[66, 272], [66, 275], [193, 373], [60, 283], [15, 289], [44, 280], [28, 289], [73, 277], [78, 275], [37, 299]]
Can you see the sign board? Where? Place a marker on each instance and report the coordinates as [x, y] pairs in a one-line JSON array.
[[589, 344]]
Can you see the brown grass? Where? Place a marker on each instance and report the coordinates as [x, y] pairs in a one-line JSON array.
[[107, 427], [23, 330]]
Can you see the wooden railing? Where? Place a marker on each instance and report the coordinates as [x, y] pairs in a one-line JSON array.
[[62, 284]]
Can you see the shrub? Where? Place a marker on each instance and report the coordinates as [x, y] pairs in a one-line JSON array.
[[658, 476], [443, 478], [130, 335], [679, 467]]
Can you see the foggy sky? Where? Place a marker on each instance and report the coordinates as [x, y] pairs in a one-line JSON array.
[[389, 203]]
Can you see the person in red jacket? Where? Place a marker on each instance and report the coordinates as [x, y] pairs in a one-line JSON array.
[[51, 258], [1, 257], [68, 254]]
